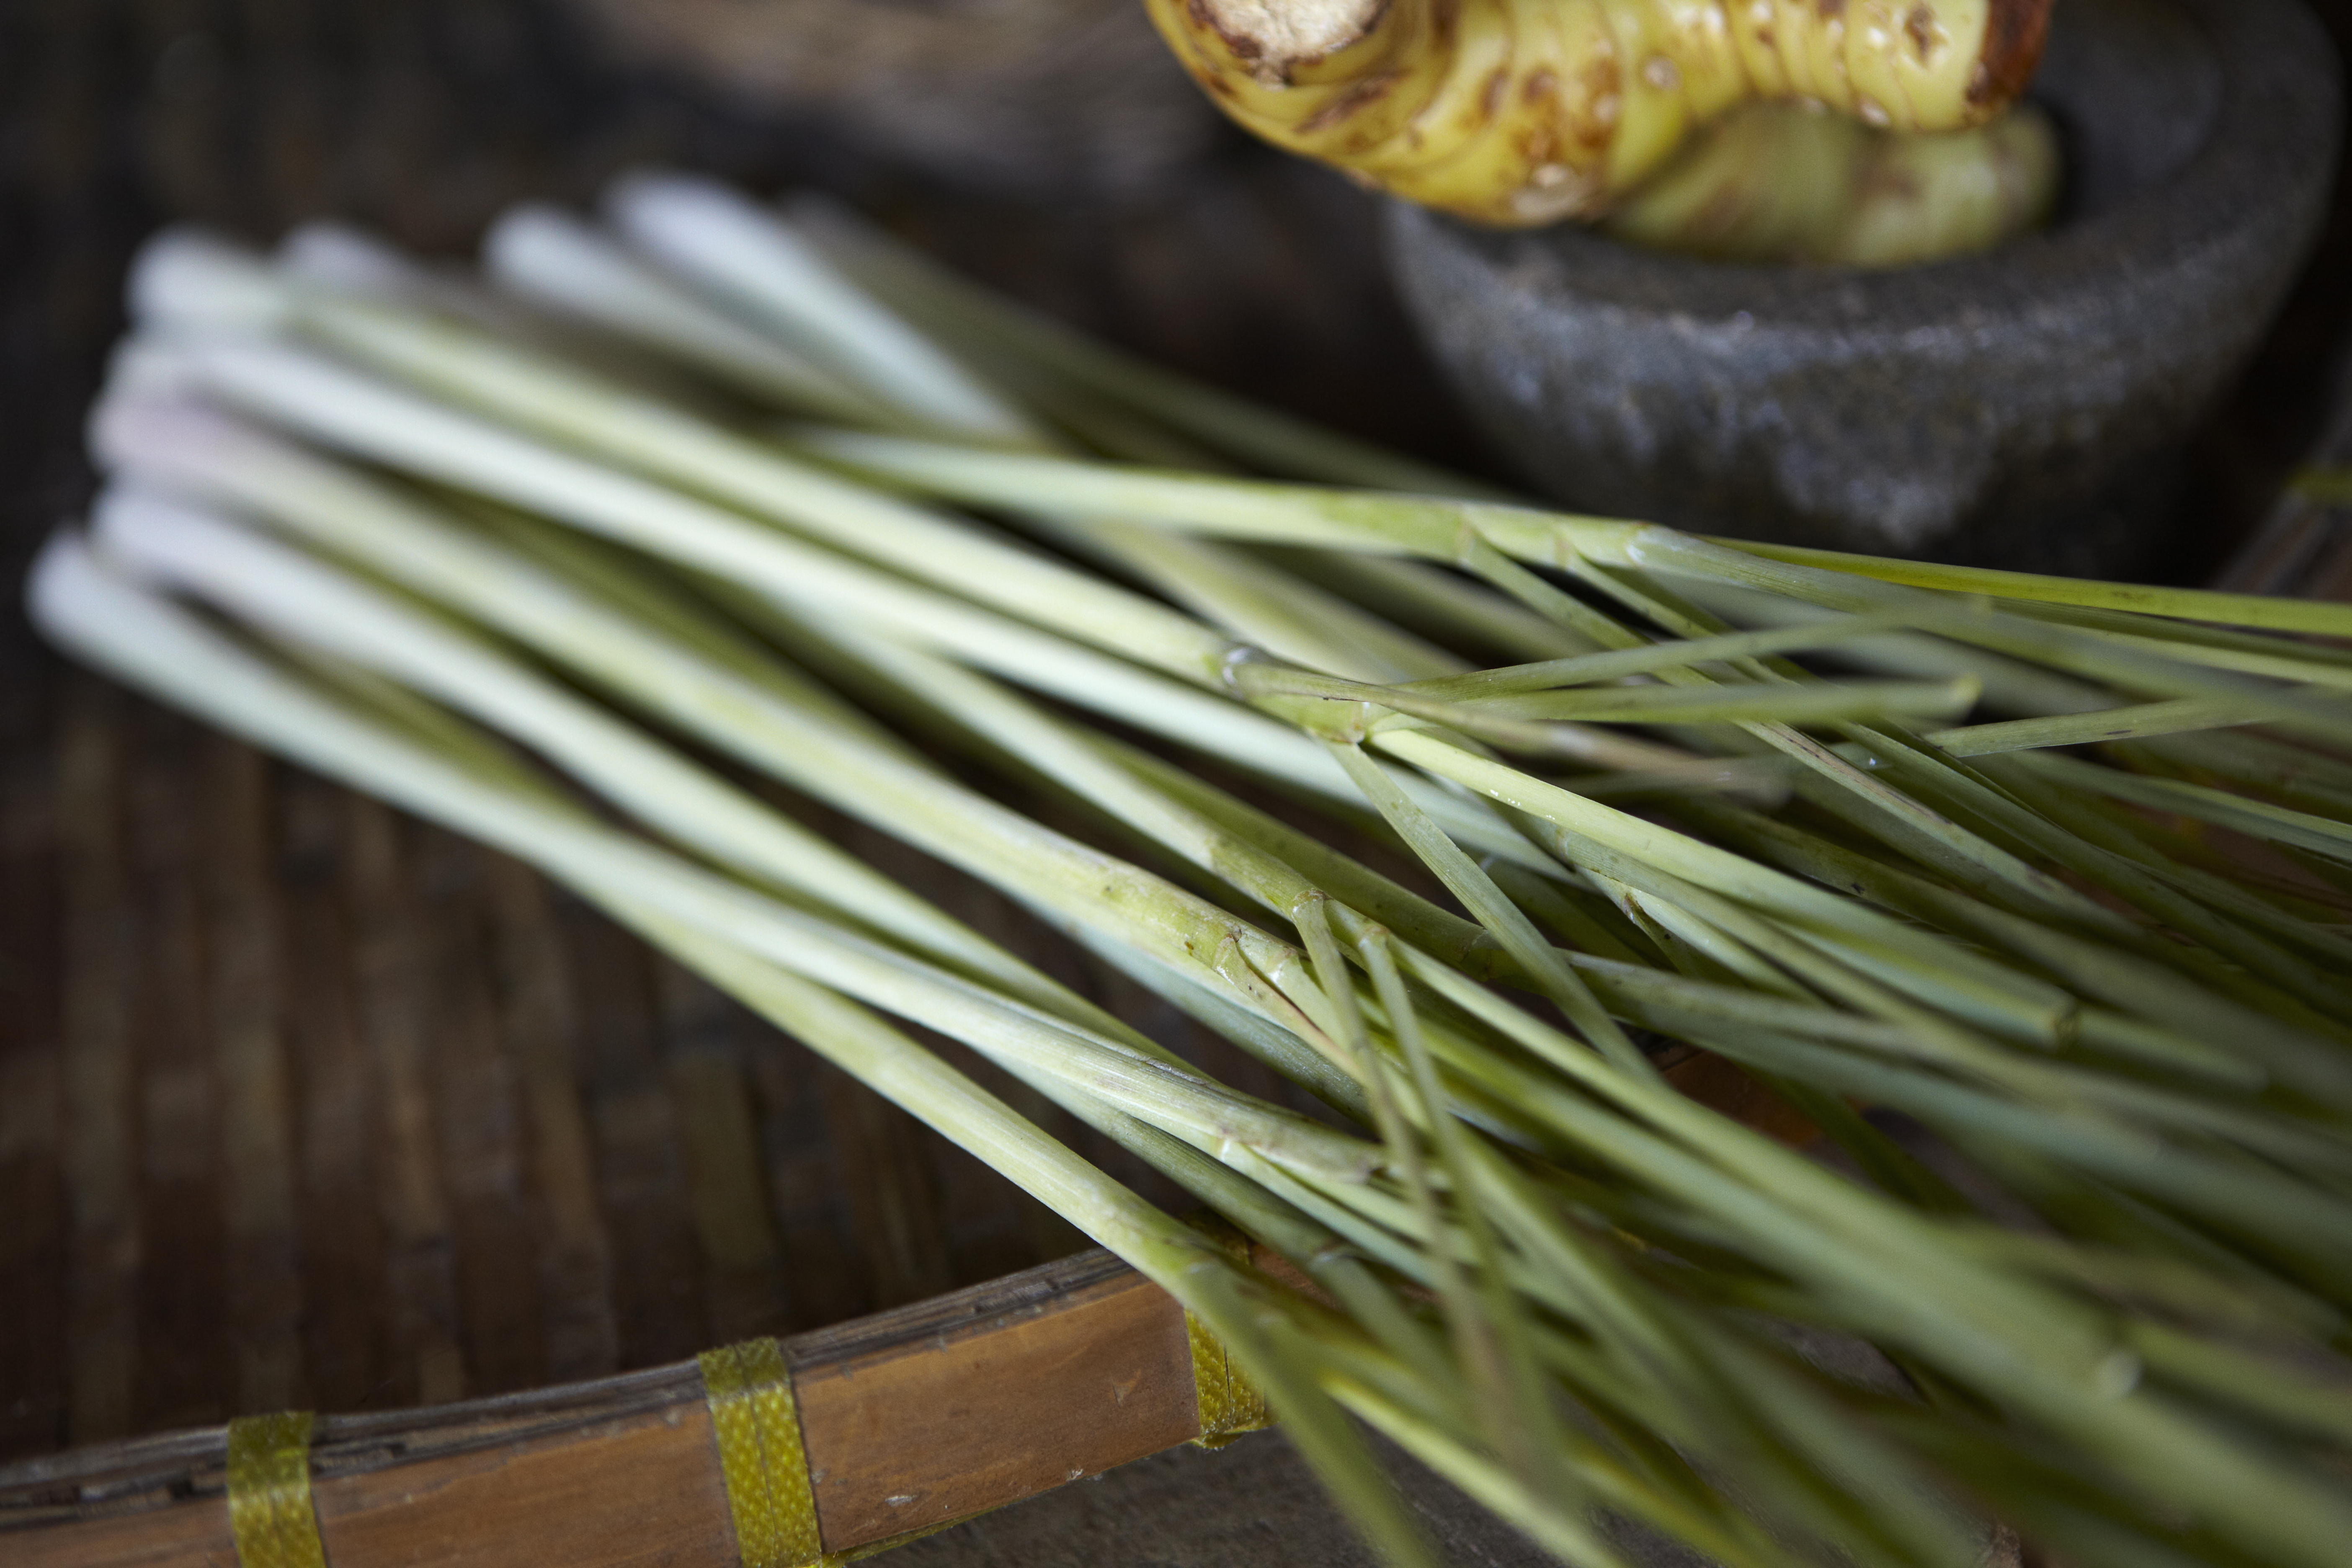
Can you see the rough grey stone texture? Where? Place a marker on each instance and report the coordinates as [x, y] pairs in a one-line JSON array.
[[2018, 408], [1251, 1504], [1255, 1504]]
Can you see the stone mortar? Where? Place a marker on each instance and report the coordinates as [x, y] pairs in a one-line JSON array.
[[2020, 408]]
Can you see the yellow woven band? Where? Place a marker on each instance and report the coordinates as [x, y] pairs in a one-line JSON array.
[[759, 1431], [270, 1508], [1230, 1404]]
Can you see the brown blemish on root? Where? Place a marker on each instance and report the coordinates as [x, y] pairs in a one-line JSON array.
[[1490, 97], [1241, 45], [1919, 27], [1370, 90], [1604, 93], [1541, 83], [1831, 10]]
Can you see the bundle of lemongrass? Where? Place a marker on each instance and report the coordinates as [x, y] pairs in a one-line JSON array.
[[2060, 878]]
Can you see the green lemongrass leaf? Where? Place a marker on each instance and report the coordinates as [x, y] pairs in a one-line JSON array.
[[1570, 1538], [2178, 633], [1833, 782], [2000, 793], [1443, 604], [2179, 716], [2157, 992], [2279, 982], [1584, 669], [1461, 942], [1535, 957], [2142, 666], [2017, 1001], [1624, 705], [2283, 1217], [2217, 880], [2180, 604], [2279, 1391], [1250, 510], [2316, 670], [1540, 1436], [2010, 685], [1498, 1397], [1216, 1008], [2254, 818], [2234, 1304], [1256, 602], [2260, 762], [1584, 924]]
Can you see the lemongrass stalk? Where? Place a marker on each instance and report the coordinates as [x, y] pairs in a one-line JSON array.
[[2012, 686], [336, 256], [2185, 858], [2288, 1221], [563, 403], [2135, 1433], [1513, 1351], [708, 231], [294, 596], [377, 422], [2279, 660], [1831, 781], [559, 263], [970, 317], [162, 649], [399, 537], [1971, 1311], [702, 230], [1442, 530], [1163, 1249], [2260, 763], [2307, 996], [1256, 602], [1919, 831], [1248, 598]]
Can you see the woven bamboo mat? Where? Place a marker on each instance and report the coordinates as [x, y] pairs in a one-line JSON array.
[[303, 1103]]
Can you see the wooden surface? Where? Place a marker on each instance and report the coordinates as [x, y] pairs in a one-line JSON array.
[[912, 1418]]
